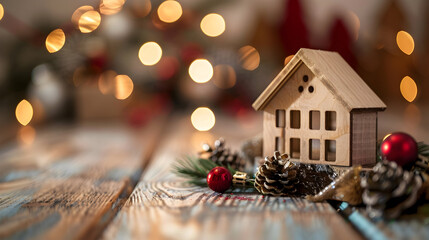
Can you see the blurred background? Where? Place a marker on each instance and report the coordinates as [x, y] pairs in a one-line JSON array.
[[130, 61]]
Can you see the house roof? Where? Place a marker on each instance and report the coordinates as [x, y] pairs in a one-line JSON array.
[[334, 72]]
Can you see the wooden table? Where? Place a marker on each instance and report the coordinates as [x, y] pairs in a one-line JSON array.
[[113, 182]]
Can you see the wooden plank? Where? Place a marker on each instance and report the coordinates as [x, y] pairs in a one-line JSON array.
[[70, 182], [163, 207]]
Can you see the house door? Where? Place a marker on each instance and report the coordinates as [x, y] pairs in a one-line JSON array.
[[281, 126]]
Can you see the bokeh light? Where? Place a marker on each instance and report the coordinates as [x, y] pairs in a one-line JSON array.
[[55, 40], [141, 8], [201, 70], [106, 82], [405, 42], [89, 21], [169, 11], [408, 89], [26, 135], [24, 112], [78, 13], [1, 11], [150, 53], [203, 119], [249, 57], [224, 76], [288, 58], [213, 25], [356, 24], [123, 87], [109, 7]]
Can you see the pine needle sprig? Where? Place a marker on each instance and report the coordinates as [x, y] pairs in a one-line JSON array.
[[423, 149], [195, 170]]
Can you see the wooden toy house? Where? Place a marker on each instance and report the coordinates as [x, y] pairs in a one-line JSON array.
[[318, 110]]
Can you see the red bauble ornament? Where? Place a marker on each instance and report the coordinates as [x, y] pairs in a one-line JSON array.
[[400, 148], [219, 179]]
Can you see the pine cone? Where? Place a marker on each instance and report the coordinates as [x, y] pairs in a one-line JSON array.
[[223, 156], [277, 176], [389, 190]]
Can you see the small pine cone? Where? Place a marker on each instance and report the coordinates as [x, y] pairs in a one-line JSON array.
[[389, 190], [223, 156], [277, 176]]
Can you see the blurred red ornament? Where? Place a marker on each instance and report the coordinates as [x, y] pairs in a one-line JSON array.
[[219, 179], [191, 52], [400, 148], [167, 67]]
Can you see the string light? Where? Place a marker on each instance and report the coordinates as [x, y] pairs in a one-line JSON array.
[[224, 76], [408, 89], [109, 7], [1, 11], [89, 21], [213, 25], [55, 40], [405, 42], [203, 119], [123, 87], [288, 58], [201, 70], [24, 112], [249, 57], [78, 13], [150, 53], [169, 11]]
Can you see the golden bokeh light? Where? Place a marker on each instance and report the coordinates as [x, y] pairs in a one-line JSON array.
[[123, 87], [169, 11], [89, 21], [224, 76], [203, 119], [24, 112], [408, 89], [55, 40], [213, 25], [78, 13], [288, 58], [201, 70], [249, 57], [109, 7], [1, 11], [106, 82], [405, 42], [26, 135], [141, 7], [150, 53]]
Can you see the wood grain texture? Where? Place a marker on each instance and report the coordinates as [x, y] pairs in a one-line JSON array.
[[162, 206], [70, 182]]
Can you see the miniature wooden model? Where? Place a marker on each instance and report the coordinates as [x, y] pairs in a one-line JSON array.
[[319, 110]]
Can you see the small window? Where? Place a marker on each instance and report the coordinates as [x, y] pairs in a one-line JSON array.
[[300, 89], [330, 120], [295, 148], [280, 144], [280, 118], [315, 120], [314, 149], [311, 89], [330, 150], [295, 119]]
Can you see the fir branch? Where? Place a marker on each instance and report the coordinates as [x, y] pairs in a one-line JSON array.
[[195, 170], [423, 149]]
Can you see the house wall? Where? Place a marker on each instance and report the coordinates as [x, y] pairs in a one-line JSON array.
[[364, 137], [290, 98]]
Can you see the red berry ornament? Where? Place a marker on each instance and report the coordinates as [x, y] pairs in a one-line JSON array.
[[400, 148], [219, 179]]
